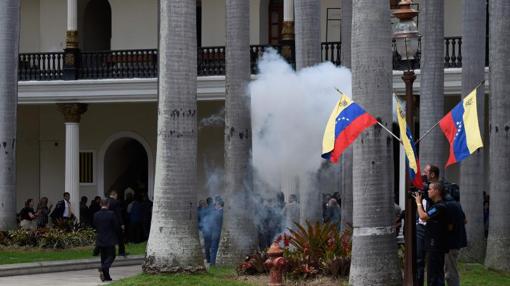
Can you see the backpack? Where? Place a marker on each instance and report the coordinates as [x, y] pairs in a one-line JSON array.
[[453, 190]]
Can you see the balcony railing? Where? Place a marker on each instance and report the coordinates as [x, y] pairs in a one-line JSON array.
[[210, 61]]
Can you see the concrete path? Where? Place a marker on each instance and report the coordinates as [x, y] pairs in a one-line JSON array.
[[80, 278]]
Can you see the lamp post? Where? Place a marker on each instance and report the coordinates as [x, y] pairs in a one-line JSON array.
[[406, 38]]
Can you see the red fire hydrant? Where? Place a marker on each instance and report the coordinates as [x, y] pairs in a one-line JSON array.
[[275, 263]]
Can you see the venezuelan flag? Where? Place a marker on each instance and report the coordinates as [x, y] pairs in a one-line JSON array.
[[460, 126], [345, 124], [412, 162]]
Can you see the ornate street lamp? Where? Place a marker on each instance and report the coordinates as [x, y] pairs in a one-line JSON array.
[[406, 38]]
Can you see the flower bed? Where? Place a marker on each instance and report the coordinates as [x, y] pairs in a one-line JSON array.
[[53, 238]]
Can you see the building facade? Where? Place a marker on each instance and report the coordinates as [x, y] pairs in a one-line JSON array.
[[96, 131]]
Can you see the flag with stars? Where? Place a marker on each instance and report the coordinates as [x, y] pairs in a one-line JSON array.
[[412, 162], [345, 124], [460, 126]]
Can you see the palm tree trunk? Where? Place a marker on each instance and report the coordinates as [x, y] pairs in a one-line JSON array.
[[239, 232], [472, 170], [173, 242], [9, 41], [308, 32], [346, 168], [374, 251], [308, 53], [498, 242], [433, 150]]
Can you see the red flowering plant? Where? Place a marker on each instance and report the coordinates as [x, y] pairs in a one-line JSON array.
[[253, 264]]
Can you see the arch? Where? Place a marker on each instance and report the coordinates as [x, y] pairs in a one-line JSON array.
[[101, 156], [97, 26]]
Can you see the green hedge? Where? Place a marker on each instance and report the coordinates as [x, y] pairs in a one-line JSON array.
[[48, 238]]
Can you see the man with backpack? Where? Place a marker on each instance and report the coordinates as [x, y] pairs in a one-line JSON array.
[[457, 238]]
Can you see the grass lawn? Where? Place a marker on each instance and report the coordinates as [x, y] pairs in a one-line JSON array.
[[476, 275], [21, 255], [215, 276], [471, 275]]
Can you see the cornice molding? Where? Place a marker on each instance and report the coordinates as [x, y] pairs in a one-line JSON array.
[[145, 90]]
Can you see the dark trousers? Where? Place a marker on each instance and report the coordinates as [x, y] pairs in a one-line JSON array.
[[122, 247], [420, 254], [435, 268], [107, 258], [215, 242], [207, 246]]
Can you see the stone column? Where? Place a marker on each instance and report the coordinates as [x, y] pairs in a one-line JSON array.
[[71, 51], [72, 114], [288, 30]]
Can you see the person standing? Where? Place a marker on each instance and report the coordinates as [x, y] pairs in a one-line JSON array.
[[115, 206], [28, 216], [217, 223], [107, 228], [63, 210], [457, 239], [436, 241], [42, 212], [85, 218], [291, 212]]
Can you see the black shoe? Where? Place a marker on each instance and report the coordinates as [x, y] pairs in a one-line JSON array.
[[124, 254], [101, 275]]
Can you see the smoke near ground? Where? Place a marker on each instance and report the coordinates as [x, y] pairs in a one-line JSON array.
[[289, 113]]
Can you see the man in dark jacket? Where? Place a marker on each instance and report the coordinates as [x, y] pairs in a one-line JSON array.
[[107, 230], [116, 207], [457, 239]]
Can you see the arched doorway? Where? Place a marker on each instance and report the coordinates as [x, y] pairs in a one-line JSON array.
[[97, 26], [125, 164]]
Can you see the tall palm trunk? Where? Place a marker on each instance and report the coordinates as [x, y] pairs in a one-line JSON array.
[[374, 251], [346, 162], [239, 233], [472, 169], [498, 243], [307, 30], [9, 41], [173, 242], [433, 150]]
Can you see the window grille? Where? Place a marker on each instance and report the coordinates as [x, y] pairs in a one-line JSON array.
[[87, 167]]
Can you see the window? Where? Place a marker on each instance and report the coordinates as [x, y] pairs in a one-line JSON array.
[[87, 159]]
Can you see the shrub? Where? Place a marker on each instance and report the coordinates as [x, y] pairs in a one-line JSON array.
[[310, 250], [253, 264], [50, 238]]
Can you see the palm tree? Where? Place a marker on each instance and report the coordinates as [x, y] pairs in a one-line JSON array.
[[308, 53], [433, 151], [374, 254], [173, 241], [498, 242], [308, 31], [346, 168], [472, 169], [9, 41], [239, 231]]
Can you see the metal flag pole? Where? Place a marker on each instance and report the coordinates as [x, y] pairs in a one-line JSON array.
[[380, 124], [428, 131]]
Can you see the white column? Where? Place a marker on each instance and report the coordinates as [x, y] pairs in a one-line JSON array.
[[72, 15], [288, 10], [72, 165]]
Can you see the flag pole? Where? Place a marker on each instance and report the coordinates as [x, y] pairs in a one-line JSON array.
[[391, 133], [428, 131], [384, 127]]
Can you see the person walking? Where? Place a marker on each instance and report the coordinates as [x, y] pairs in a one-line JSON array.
[[217, 223], [107, 228], [115, 206], [63, 210], [436, 241]]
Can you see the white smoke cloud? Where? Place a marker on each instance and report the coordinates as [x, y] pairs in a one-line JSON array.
[[289, 113]]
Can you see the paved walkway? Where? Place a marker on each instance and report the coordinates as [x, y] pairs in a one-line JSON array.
[[81, 278]]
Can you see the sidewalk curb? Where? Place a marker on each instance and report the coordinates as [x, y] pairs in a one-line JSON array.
[[64, 265]]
